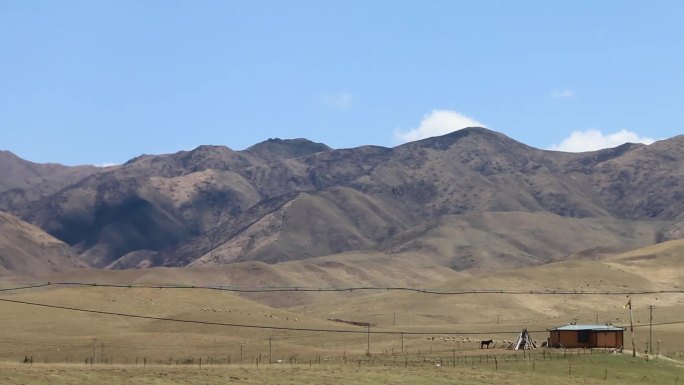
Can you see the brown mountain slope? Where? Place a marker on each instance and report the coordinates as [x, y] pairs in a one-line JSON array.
[[284, 200], [275, 149], [22, 181], [28, 250], [676, 231], [400, 202], [495, 240], [329, 222], [642, 181]]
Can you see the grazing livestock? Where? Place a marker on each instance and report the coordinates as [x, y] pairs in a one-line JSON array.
[[485, 343]]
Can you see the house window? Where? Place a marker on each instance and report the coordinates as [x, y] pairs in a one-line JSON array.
[[583, 336]]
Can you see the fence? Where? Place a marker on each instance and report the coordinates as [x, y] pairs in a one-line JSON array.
[[103, 354]]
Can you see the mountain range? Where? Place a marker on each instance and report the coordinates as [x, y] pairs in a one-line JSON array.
[[470, 200]]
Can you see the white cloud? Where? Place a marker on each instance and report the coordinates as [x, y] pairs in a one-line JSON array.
[[592, 140], [343, 100], [438, 122], [562, 94], [106, 164]]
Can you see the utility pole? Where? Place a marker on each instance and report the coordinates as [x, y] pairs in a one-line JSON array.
[[650, 329], [402, 342], [368, 343], [92, 356], [394, 322], [631, 326], [269, 350]]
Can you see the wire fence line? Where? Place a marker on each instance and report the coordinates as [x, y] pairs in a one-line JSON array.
[[540, 360]]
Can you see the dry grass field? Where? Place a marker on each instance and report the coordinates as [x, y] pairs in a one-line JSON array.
[[594, 369], [62, 343]]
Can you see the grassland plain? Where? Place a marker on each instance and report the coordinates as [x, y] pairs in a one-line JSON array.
[[147, 350], [583, 369], [59, 335]]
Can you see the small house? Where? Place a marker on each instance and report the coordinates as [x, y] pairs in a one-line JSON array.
[[586, 336]]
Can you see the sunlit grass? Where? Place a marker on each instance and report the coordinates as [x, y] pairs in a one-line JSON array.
[[583, 369]]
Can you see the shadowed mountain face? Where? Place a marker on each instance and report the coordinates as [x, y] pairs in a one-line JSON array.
[[28, 250], [294, 199]]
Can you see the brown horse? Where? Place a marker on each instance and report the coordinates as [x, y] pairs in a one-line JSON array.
[[486, 343]]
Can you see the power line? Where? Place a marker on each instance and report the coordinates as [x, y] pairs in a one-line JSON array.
[[659, 324], [246, 325], [388, 332], [268, 289], [26, 287], [173, 319]]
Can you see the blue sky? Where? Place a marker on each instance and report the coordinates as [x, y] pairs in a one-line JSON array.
[[103, 81]]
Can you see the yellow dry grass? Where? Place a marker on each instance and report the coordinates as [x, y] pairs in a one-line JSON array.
[[61, 335]]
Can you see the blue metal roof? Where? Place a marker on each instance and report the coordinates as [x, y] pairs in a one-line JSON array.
[[596, 327]]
